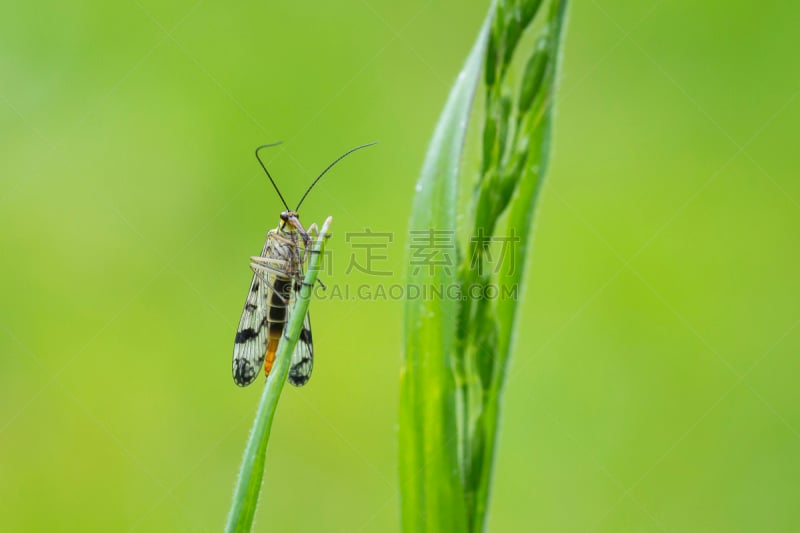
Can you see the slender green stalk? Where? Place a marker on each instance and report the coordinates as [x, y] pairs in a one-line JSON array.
[[251, 473]]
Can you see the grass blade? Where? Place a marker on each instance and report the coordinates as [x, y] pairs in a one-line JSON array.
[[251, 473], [430, 479]]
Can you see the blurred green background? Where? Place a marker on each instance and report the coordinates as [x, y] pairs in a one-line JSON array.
[[654, 383]]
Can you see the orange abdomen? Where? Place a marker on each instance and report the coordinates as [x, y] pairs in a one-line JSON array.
[[269, 360]]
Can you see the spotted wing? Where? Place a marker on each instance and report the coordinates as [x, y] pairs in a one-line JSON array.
[[303, 356], [250, 345]]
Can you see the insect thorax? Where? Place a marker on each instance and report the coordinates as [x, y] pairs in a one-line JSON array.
[[286, 244]]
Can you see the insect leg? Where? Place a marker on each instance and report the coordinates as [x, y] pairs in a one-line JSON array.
[[279, 266]]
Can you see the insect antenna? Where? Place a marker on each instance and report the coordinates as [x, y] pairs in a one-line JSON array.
[[328, 168], [267, 171]]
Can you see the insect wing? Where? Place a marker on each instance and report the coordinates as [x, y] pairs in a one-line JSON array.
[[303, 356], [250, 345]]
